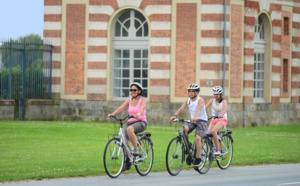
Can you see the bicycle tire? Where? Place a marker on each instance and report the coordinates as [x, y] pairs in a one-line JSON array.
[[206, 156], [224, 160], [144, 166], [113, 158], [175, 156]]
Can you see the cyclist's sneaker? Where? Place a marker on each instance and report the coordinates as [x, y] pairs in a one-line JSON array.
[[197, 162], [217, 153], [189, 160], [135, 152], [127, 165]]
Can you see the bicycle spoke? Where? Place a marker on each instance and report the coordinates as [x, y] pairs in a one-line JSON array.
[[143, 163], [174, 156], [226, 147], [113, 158], [206, 156]]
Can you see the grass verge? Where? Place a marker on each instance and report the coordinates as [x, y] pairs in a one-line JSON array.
[[55, 149]]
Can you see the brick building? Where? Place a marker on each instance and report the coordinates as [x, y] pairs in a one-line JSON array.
[[101, 46]]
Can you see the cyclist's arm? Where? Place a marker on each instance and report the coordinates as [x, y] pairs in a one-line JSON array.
[[208, 104], [120, 109], [183, 106], [224, 109]]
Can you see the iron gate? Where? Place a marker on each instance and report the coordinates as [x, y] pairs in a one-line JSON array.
[[25, 72]]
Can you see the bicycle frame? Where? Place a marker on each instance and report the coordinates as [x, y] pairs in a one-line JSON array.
[[226, 154], [118, 149], [123, 143], [183, 136]]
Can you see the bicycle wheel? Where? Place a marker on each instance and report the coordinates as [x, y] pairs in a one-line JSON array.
[[113, 158], [226, 148], [143, 162], [175, 156], [206, 156]]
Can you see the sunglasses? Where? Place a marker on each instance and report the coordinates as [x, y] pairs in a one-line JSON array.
[[133, 90]]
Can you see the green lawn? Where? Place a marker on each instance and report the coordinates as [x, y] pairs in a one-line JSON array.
[[52, 149]]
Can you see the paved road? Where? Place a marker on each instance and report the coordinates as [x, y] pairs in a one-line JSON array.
[[277, 175]]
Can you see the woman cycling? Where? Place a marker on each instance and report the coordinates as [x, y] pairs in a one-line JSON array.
[[137, 108], [218, 110]]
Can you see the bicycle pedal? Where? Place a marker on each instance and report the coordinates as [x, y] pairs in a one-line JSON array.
[[142, 156]]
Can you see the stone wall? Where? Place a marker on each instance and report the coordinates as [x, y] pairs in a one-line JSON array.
[[7, 109], [240, 115]]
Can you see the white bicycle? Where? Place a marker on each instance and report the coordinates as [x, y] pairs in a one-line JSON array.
[[117, 149]]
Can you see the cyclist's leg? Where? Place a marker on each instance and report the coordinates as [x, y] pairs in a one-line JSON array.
[[211, 126], [198, 146], [131, 136], [200, 132], [201, 128], [219, 124], [188, 128], [133, 129]]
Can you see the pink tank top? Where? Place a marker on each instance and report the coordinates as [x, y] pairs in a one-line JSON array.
[[132, 110]]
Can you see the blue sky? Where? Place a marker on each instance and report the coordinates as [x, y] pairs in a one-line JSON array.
[[19, 18]]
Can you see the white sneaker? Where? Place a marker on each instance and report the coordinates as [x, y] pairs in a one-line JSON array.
[[217, 153]]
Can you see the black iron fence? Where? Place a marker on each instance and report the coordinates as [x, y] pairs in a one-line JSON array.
[[25, 72]]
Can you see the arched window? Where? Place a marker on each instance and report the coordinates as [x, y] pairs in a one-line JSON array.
[[259, 60], [130, 52]]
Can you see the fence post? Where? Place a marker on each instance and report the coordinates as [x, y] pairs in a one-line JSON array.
[[10, 71], [23, 82]]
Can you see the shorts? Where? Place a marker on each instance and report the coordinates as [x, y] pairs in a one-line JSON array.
[[138, 126], [200, 126], [221, 120]]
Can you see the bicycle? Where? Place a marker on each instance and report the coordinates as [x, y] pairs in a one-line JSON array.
[[226, 147], [117, 149], [179, 147]]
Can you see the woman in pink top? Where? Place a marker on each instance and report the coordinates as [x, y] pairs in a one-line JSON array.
[[219, 110], [137, 108]]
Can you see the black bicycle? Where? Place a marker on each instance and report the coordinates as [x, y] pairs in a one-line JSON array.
[[180, 150], [117, 149]]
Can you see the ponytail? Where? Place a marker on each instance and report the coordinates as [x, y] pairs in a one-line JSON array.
[[221, 98]]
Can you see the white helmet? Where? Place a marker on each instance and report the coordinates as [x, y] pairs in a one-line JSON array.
[[217, 90], [138, 85], [194, 87]]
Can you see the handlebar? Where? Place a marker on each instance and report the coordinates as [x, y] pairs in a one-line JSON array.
[[183, 120], [212, 117], [180, 120], [121, 119]]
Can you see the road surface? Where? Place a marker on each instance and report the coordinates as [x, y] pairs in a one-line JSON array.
[[277, 175]]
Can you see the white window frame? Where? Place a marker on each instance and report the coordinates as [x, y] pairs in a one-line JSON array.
[[131, 43], [259, 62]]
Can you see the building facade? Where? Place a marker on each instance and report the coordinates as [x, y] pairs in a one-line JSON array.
[[250, 47]]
